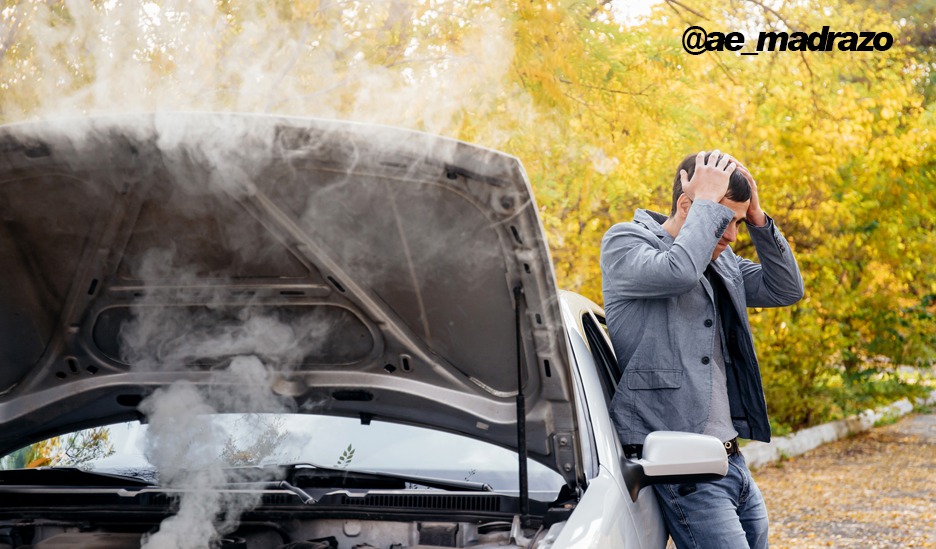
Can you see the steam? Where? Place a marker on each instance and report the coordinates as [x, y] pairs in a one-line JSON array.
[[180, 432], [169, 338], [186, 442], [183, 443], [248, 349], [384, 61], [374, 61], [231, 350]]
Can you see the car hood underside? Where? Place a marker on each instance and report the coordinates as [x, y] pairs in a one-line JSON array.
[[373, 272]]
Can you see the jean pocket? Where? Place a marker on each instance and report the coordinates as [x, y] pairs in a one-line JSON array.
[[653, 379]]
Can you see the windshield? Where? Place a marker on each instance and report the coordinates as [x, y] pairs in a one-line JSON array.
[[326, 441]]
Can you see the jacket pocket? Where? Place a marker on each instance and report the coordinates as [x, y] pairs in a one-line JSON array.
[[653, 379]]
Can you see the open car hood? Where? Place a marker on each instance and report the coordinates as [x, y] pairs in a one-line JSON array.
[[375, 272]]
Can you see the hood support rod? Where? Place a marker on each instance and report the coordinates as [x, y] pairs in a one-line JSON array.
[[521, 416]]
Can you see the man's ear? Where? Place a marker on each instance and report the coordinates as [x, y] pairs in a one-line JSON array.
[[682, 205]]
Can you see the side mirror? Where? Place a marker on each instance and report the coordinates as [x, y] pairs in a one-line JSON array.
[[671, 457]]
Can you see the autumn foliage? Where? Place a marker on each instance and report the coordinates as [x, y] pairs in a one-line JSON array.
[[600, 111]]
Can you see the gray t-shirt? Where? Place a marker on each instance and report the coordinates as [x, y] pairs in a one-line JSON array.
[[719, 421]]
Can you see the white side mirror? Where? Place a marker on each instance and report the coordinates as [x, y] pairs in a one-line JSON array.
[[671, 457]]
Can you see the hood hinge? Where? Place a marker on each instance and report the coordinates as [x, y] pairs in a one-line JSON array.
[[564, 445]]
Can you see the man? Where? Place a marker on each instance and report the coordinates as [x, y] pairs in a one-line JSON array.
[[676, 296]]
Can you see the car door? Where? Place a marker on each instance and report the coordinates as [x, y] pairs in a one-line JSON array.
[[605, 515]]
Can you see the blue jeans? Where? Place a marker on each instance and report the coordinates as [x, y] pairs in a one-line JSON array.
[[727, 513]]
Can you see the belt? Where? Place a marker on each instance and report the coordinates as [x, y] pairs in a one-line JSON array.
[[731, 448]]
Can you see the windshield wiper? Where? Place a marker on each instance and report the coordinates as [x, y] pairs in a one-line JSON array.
[[276, 485], [298, 471], [68, 476]]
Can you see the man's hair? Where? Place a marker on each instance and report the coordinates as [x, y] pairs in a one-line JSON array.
[[738, 188]]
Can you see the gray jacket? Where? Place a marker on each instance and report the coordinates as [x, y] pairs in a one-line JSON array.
[[662, 331]]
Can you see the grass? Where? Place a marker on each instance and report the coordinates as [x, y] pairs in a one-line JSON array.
[[924, 408], [887, 419], [844, 394]]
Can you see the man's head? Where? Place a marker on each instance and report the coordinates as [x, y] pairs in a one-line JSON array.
[[738, 188], [738, 198]]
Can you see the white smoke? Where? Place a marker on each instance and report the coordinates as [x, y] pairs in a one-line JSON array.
[[180, 437], [187, 442], [184, 443], [369, 61], [168, 338], [396, 62]]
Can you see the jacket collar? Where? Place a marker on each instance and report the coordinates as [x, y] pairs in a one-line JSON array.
[[653, 221], [725, 265]]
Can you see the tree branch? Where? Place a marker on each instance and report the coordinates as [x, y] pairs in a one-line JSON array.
[[597, 8], [671, 3], [609, 90]]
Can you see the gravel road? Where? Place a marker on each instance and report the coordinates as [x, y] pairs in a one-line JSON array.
[[874, 490]]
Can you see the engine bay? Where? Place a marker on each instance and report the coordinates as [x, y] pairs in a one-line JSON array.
[[334, 533]]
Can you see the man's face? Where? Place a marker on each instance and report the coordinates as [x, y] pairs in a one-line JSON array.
[[731, 233]]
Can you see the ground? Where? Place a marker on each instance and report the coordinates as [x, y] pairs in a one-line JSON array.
[[874, 490]]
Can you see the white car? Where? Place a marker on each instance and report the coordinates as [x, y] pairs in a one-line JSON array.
[[301, 334]]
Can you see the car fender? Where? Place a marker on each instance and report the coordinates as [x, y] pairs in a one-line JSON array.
[[605, 517]]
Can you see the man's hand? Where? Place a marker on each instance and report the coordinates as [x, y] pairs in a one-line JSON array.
[[710, 178], [755, 215]]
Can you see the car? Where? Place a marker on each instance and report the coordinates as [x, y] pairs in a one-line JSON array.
[[244, 330]]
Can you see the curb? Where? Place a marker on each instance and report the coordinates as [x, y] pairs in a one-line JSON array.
[[757, 454]]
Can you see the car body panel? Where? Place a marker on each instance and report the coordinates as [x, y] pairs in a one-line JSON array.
[[606, 516]]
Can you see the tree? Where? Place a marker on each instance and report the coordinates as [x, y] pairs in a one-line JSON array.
[[599, 112], [263, 434], [71, 450]]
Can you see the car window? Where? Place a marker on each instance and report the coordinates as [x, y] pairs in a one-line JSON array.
[[596, 336], [327, 441]]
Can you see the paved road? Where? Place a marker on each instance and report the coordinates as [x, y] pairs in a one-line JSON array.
[[875, 490]]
